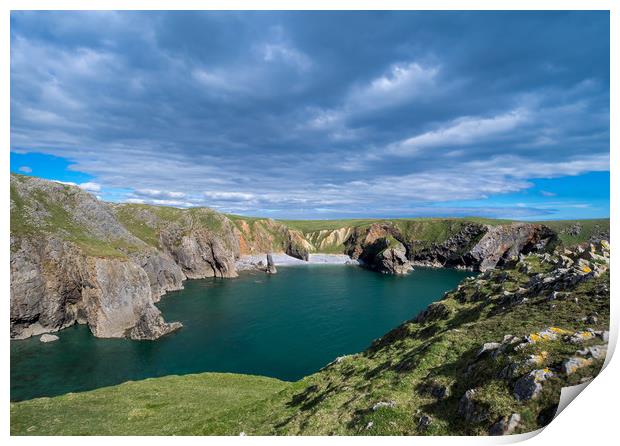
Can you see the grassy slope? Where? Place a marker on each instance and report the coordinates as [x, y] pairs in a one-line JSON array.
[[338, 399], [589, 227], [210, 403]]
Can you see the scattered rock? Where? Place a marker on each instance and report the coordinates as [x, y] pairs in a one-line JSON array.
[[537, 359], [549, 334], [488, 347], [424, 422], [381, 404], [530, 385], [571, 365], [436, 390], [48, 338], [470, 409], [582, 336], [505, 425], [594, 351]]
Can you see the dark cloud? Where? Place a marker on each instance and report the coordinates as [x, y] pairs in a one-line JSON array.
[[314, 111]]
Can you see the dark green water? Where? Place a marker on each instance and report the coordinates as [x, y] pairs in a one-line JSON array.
[[285, 326]]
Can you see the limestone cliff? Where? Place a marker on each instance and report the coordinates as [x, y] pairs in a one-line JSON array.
[[76, 259], [72, 262]]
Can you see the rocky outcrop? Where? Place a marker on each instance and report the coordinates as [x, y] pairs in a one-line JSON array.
[[297, 246], [54, 285], [393, 260], [73, 262], [379, 247], [473, 246], [452, 251], [504, 243], [202, 253], [271, 267], [46, 286], [162, 271]]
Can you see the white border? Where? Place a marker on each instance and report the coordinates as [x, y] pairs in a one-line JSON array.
[[591, 419]]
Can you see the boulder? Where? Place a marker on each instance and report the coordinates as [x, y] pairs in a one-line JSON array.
[[471, 410], [424, 422], [488, 347], [529, 386], [571, 365], [48, 338], [505, 425], [382, 404]]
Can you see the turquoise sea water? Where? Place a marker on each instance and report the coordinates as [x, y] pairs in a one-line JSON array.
[[284, 326]]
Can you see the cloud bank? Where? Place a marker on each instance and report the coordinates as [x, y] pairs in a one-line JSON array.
[[318, 113]]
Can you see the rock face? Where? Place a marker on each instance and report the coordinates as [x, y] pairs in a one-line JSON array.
[[54, 285], [385, 248], [379, 247], [452, 251], [505, 242], [201, 253], [163, 273], [73, 262], [393, 260], [297, 246]]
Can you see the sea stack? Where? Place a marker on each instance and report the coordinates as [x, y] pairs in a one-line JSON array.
[[271, 267]]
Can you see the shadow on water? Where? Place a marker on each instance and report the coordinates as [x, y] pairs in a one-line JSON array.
[[284, 326]]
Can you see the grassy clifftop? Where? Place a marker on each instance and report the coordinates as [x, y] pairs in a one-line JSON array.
[[491, 357]]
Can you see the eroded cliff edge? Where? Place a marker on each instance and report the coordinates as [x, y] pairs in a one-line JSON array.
[[76, 259]]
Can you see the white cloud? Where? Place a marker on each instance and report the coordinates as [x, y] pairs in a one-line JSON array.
[[68, 183], [229, 195], [272, 52], [155, 193], [25, 169], [401, 83], [158, 202], [462, 131], [213, 79], [90, 186]]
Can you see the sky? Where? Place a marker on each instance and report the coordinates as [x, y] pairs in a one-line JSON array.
[[319, 114]]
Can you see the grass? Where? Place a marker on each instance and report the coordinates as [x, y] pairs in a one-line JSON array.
[[210, 403], [589, 228], [307, 226]]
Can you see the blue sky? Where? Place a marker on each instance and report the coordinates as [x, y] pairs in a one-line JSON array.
[[320, 114]]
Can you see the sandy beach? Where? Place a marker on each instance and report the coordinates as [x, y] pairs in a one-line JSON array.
[[247, 262]]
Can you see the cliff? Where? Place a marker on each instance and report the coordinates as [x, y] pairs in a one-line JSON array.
[[76, 259]]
